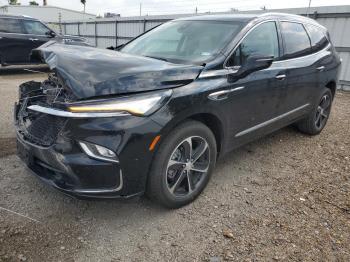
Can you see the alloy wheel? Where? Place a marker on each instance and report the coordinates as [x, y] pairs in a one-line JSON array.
[[322, 112], [188, 166]]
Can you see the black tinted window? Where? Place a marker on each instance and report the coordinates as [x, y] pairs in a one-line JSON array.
[[318, 37], [262, 40], [297, 42], [35, 27], [10, 25]]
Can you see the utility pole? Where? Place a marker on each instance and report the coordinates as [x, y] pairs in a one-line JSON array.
[[140, 9], [308, 9], [196, 10]]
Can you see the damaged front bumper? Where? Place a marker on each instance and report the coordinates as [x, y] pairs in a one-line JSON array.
[[49, 143]]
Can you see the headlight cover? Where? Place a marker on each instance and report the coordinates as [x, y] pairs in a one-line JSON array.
[[141, 104]]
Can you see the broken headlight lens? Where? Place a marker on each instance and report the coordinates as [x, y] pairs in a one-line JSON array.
[[140, 104]]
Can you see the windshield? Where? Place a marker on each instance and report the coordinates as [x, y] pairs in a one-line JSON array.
[[185, 41]]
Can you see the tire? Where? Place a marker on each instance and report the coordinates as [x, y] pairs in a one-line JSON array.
[[168, 180], [317, 119]]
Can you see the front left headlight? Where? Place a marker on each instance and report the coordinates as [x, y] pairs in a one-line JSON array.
[[140, 104]]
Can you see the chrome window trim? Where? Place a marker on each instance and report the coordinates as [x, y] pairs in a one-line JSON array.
[[305, 56], [100, 191], [271, 121], [22, 34], [276, 21], [62, 113]]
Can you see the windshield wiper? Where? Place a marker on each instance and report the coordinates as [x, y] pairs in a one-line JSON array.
[[159, 58]]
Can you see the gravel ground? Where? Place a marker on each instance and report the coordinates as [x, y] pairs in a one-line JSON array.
[[284, 197]]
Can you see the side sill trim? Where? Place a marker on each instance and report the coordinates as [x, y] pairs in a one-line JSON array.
[[100, 191], [268, 122], [62, 113]]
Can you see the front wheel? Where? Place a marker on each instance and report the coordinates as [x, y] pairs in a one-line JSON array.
[[182, 166], [314, 123]]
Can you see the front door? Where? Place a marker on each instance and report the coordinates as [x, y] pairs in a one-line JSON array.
[[255, 99]]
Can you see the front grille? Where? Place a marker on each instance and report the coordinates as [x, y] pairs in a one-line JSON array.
[[35, 127], [42, 129]]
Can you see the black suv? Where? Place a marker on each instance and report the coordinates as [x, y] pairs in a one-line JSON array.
[[20, 34], [155, 116]]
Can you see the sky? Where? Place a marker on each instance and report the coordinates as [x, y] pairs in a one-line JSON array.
[[158, 7]]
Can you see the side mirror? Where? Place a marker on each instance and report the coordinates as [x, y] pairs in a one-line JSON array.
[[254, 63], [119, 47], [50, 34]]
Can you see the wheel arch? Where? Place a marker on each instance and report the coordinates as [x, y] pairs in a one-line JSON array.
[[211, 120], [332, 85]]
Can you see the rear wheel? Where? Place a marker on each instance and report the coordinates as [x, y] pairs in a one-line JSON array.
[[317, 119], [183, 164]]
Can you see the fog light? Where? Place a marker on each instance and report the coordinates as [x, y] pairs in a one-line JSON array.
[[98, 152]]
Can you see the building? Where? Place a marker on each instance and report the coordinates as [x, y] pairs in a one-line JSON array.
[[48, 14]]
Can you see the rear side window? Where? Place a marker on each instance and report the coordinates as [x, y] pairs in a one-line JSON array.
[[318, 37], [35, 28], [262, 40], [296, 40], [10, 25]]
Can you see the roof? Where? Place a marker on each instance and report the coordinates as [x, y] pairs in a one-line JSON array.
[[223, 17], [16, 16], [46, 6], [248, 17]]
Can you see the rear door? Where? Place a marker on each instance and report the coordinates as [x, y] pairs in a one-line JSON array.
[[255, 100], [301, 74], [13, 42], [324, 60]]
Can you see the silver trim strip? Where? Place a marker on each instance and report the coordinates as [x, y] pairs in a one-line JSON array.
[[220, 72], [278, 61], [87, 151], [249, 130], [216, 95], [62, 113], [24, 34], [302, 57], [100, 191]]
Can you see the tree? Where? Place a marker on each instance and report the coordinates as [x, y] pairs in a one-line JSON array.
[[84, 3], [13, 2], [33, 3]]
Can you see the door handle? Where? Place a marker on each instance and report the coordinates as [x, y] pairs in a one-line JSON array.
[[321, 68], [33, 39], [280, 77], [222, 95]]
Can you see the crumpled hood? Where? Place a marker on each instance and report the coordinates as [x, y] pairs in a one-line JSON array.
[[91, 72]]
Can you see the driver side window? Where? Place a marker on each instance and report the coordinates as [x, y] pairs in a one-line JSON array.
[[35, 28], [262, 40]]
